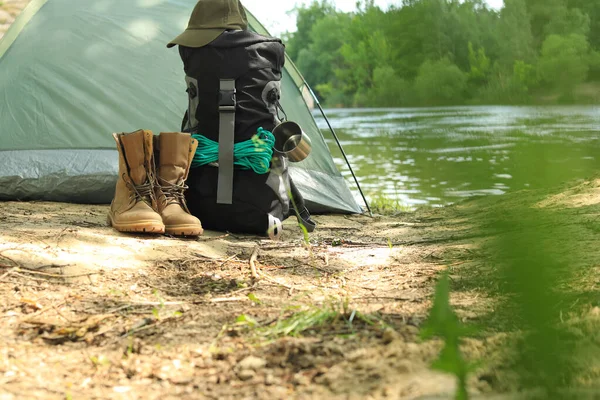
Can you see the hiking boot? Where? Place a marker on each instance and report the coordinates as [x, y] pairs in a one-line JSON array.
[[133, 207], [175, 152]]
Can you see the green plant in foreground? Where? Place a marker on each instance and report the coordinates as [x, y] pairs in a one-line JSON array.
[[537, 252], [443, 322]]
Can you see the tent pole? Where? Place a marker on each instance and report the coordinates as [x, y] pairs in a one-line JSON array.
[[339, 145]]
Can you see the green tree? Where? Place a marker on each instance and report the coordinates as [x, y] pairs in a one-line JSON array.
[[306, 17], [515, 39], [417, 32], [566, 21], [469, 21], [447, 51], [590, 8], [479, 65], [564, 62], [524, 76], [360, 59], [540, 13], [318, 60], [388, 89], [594, 65], [365, 49], [440, 83]]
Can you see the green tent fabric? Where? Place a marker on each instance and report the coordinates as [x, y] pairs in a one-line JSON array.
[[73, 72]]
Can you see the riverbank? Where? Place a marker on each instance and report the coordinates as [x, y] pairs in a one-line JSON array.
[[88, 312]]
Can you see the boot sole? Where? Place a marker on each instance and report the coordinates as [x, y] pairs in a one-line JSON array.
[[184, 230], [149, 226]]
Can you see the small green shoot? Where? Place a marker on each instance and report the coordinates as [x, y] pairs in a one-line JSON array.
[[99, 361], [129, 350], [444, 323], [117, 293], [245, 320], [253, 298], [156, 310]]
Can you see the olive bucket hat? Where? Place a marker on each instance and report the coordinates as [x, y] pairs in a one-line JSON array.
[[209, 19]]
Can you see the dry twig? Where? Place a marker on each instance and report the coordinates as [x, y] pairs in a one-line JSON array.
[[208, 239], [228, 259], [36, 272], [253, 270], [10, 271], [43, 310]]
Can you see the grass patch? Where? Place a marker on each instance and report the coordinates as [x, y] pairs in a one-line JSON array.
[[331, 318], [384, 205]]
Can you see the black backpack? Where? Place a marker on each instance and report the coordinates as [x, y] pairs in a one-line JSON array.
[[233, 86]]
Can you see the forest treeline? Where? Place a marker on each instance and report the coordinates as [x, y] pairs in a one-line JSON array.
[[448, 52]]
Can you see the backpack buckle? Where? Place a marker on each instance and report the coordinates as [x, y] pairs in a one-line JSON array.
[[227, 100]]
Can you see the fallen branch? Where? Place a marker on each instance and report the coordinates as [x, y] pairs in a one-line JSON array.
[[49, 266], [43, 310], [269, 278], [366, 298], [326, 271], [227, 299], [157, 303], [36, 272], [258, 274], [208, 239], [279, 246], [10, 271], [8, 258], [228, 259], [61, 234], [244, 289]]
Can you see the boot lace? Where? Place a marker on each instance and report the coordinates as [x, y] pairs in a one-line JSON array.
[[173, 193], [143, 192]]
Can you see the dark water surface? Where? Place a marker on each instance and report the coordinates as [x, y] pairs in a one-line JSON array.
[[436, 156]]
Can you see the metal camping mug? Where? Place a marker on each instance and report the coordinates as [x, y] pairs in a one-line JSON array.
[[291, 141]]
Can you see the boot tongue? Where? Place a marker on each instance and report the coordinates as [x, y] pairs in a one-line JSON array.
[[174, 152], [134, 148]]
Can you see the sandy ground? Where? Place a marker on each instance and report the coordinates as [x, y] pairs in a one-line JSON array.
[[87, 312], [93, 313]]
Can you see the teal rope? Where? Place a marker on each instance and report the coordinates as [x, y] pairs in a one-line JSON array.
[[254, 153]]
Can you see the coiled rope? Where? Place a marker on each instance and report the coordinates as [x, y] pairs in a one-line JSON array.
[[254, 153]]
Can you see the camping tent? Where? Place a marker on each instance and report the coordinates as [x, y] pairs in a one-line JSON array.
[[73, 72]]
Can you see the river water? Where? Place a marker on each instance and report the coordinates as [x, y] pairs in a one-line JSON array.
[[437, 156]]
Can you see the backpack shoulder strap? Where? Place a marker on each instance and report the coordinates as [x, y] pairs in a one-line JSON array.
[[227, 104]]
